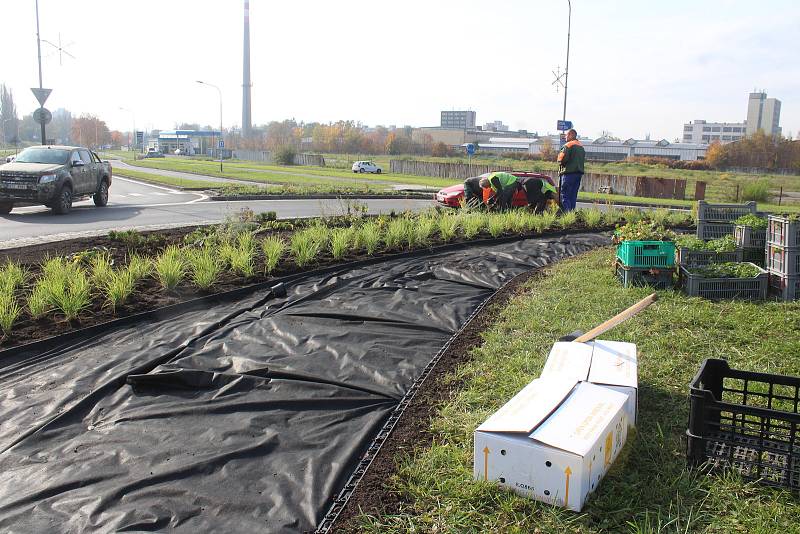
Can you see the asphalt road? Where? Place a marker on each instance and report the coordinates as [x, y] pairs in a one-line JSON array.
[[144, 206]]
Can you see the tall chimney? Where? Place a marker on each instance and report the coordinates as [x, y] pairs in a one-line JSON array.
[[247, 122]]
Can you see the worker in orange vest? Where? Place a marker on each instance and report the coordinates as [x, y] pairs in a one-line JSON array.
[[571, 161]]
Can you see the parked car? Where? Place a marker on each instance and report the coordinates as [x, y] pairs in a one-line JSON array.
[[10, 158], [54, 176], [452, 196], [154, 154], [366, 166]]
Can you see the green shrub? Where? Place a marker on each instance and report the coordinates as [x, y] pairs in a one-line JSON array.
[[284, 155], [632, 215], [757, 191], [38, 301], [592, 217], [340, 241], [369, 236], [424, 229], [395, 233], [170, 268], [753, 221], [102, 268], [497, 224], [139, 267], [473, 224], [306, 245], [612, 216], [568, 219], [204, 267], [69, 292], [9, 311], [660, 216], [273, 248], [12, 276], [119, 287]]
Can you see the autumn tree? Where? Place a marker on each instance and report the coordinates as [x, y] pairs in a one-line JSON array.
[[90, 131], [547, 150], [441, 150], [8, 114]]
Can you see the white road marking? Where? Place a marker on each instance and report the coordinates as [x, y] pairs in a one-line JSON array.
[[136, 194]]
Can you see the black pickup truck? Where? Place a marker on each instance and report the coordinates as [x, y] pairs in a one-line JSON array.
[[54, 176]]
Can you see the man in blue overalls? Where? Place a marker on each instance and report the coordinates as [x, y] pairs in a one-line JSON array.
[[570, 170]]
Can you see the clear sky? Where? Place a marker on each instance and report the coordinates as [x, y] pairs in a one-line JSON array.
[[636, 67]]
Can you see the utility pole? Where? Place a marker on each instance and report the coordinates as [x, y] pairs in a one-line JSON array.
[[566, 70], [39, 50]]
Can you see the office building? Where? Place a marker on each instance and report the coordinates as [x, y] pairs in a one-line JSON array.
[[763, 114], [703, 132], [458, 120]]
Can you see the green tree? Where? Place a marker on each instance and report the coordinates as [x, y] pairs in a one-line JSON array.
[[8, 114]]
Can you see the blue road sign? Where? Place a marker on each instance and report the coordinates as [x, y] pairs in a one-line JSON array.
[[564, 125], [470, 149], [221, 143]]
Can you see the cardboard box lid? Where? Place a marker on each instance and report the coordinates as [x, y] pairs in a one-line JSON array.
[[569, 359], [614, 363], [577, 424], [528, 408]]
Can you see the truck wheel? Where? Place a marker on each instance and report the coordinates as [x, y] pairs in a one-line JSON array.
[[63, 201], [101, 196], [6, 207]]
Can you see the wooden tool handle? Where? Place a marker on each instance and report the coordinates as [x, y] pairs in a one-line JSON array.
[[617, 319]]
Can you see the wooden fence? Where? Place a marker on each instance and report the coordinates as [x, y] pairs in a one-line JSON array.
[[265, 156], [456, 171]]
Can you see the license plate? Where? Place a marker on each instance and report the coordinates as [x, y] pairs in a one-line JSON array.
[[14, 185]]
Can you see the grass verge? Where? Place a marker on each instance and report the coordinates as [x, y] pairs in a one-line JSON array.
[[649, 489]]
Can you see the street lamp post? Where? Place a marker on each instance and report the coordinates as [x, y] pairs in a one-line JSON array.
[[566, 70], [220, 119]]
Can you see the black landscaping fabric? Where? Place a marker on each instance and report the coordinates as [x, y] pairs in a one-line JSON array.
[[245, 416]]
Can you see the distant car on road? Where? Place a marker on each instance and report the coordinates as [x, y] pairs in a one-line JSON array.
[[452, 196], [54, 176], [154, 154], [366, 166]]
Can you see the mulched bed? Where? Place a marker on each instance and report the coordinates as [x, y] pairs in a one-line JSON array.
[[149, 295], [372, 496]]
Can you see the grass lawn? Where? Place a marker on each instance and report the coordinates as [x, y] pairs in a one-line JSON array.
[[164, 180], [649, 489]]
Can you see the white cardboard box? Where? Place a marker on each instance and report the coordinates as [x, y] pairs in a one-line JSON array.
[[608, 363], [553, 441]]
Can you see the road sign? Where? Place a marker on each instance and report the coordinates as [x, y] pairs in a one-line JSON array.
[[470, 149], [139, 137], [41, 94], [221, 143], [564, 125], [42, 116]]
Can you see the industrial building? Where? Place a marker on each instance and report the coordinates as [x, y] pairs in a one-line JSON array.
[[699, 132], [763, 114], [462, 120], [602, 149], [189, 142]]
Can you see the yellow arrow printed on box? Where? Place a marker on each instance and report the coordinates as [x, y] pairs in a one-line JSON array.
[[486, 463], [567, 472]]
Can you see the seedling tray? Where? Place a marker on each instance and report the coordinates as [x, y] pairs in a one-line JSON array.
[[646, 254], [697, 258], [754, 288], [783, 232], [639, 277], [748, 237], [723, 212], [746, 422], [752, 255], [714, 230]]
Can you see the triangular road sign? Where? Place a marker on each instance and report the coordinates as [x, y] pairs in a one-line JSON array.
[[41, 94]]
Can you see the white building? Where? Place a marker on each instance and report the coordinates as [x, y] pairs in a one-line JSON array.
[[763, 114], [602, 149], [462, 120], [495, 126], [703, 132]]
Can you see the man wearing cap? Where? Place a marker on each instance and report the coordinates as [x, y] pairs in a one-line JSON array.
[[570, 170], [503, 185]]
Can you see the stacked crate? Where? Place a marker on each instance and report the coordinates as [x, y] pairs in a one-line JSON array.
[[752, 243], [646, 263], [783, 256], [717, 220]]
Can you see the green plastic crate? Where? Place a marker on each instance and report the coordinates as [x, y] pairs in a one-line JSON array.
[[646, 254]]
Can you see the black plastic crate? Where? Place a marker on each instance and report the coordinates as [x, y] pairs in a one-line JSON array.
[[640, 276], [753, 255], [723, 212], [697, 258], [746, 422], [714, 230]]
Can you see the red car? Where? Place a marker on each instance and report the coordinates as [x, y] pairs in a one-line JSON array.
[[453, 195]]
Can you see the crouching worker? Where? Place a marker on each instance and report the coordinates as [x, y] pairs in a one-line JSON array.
[[473, 196], [538, 192], [503, 185]]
